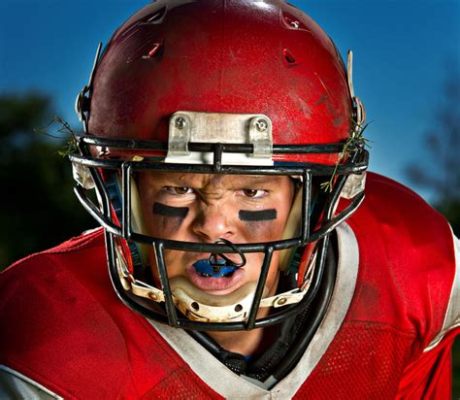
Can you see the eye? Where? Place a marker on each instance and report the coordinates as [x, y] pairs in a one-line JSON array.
[[254, 193], [178, 190]]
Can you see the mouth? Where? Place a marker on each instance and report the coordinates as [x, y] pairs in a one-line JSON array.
[[215, 268], [223, 280]]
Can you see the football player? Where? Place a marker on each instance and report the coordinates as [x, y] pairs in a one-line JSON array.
[[250, 254]]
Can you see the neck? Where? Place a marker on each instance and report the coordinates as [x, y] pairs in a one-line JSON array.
[[242, 342]]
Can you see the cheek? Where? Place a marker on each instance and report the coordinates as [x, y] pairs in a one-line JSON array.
[[260, 231], [273, 274], [165, 221], [175, 262], [166, 227], [254, 269], [261, 225]]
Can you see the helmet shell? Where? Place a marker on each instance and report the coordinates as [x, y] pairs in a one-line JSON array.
[[222, 56]]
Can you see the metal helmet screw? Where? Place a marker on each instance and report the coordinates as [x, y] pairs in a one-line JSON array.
[[153, 296], [180, 123], [261, 125], [295, 24], [281, 301]]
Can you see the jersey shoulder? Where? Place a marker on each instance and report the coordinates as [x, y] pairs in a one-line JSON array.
[[403, 218], [64, 328], [88, 242], [408, 273], [391, 199]]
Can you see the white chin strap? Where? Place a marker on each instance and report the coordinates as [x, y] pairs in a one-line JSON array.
[[198, 305]]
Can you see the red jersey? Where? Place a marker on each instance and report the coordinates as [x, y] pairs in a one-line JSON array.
[[387, 333]]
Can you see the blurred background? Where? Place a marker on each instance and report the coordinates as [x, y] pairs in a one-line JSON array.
[[406, 70]]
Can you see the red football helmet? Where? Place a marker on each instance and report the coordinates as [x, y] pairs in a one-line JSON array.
[[221, 87]]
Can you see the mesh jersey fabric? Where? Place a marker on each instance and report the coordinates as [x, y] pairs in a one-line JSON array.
[[63, 326]]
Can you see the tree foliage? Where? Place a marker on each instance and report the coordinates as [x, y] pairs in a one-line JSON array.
[[38, 208]]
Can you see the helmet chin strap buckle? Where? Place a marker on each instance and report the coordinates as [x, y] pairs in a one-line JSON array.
[[354, 185]]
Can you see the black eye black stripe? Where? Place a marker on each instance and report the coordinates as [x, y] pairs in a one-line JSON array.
[[168, 211], [262, 215], [244, 215]]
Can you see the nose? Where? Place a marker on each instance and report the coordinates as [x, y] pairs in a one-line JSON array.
[[213, 222]]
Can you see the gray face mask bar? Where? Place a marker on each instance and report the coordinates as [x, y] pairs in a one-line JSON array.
[[91, 169]]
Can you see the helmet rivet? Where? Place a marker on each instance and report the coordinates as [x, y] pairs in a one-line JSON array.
[[282, 301], [261, 125], [180, 123], [295, 24]]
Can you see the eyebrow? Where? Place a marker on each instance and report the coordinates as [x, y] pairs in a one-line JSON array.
[[242, 180]]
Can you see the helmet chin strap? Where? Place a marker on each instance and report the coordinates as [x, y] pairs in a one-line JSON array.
[[197, 305]]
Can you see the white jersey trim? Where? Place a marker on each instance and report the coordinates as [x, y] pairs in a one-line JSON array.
[[14, 385], [452, 317], [230, 385]]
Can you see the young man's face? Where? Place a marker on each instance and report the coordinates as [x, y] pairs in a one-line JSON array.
[[205, 208]]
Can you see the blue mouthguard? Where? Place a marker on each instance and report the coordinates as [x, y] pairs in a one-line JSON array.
[[217, 269]]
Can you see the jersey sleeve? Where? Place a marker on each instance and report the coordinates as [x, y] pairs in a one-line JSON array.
[[452, 317], [430, 375]]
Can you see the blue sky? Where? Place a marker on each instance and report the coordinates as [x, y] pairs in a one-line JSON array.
[[403, 50]]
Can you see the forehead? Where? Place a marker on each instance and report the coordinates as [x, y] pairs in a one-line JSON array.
[[213, 180]]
